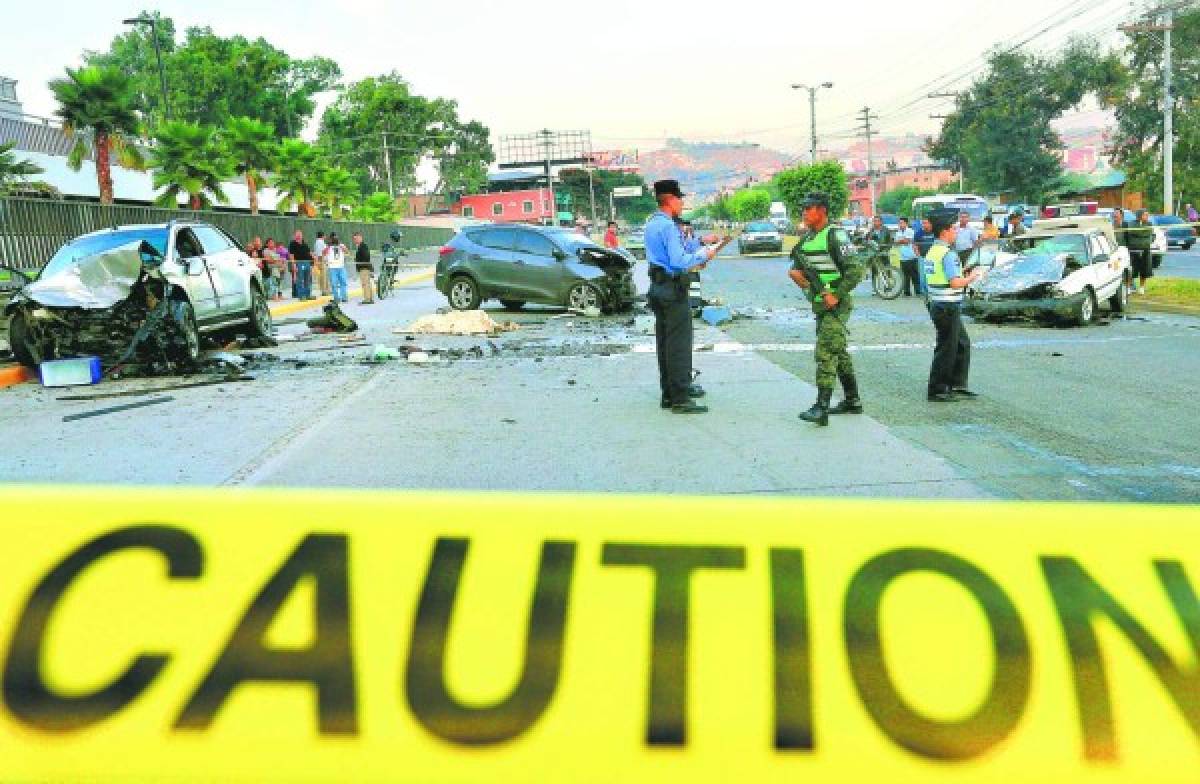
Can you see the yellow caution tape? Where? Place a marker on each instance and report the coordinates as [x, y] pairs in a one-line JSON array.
[[339, 636]]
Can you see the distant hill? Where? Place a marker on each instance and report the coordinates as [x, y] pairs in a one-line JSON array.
[[704, 168]]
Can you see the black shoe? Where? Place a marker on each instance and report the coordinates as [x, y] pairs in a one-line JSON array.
[[689, 407], [848, 406], [940, 397], [819, 413], [964, 393], [695, 390]]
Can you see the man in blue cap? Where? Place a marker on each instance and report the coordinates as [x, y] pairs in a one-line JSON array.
[[945, 286], [672, 261]]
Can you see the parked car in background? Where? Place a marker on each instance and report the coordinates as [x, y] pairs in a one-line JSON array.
[[1176, 231], [98, 294], [890, 221], [1064, 269], [519, 264], [635, 242], [760, 237]]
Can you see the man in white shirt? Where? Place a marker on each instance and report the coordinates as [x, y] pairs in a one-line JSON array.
[[904, 238], [968, 237], [320, 271]]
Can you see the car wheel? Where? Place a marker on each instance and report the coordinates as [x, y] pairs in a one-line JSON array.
[[1119, 301], [463, 294], [512, 304], [260, 315], [1087, 309], [1188, 245], [25, 346], [583, 296]]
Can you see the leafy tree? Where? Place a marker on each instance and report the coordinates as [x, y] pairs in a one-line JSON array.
[[251, 144], [298, 168], [14, 170], [379, 207], [575, 183], [379, 122], [827, 177], [336, 188], [190, 158], [211, 78], [750, 204], [1137, 143], [1000, 133], [899, 200], [101, 102]]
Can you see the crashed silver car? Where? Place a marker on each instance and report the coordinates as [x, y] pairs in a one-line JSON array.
[[137, 294], [1064, 269]]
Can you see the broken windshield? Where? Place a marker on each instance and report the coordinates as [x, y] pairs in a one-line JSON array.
[[1074, 244], [70, 254]]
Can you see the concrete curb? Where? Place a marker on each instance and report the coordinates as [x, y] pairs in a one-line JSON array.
[[320, 302], [17, 374]]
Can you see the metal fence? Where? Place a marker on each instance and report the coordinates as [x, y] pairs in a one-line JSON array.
[[31, 230]]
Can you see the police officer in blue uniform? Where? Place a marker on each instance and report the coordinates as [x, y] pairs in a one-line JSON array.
[[672, 261]]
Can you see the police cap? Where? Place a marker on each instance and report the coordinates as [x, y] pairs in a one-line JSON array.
[[942, 219], [665, 187], [815, 199]]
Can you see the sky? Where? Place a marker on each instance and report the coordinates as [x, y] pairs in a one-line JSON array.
[[632, 72]]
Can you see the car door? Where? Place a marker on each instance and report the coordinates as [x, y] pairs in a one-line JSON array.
[[492, 260], [231, 270], [197, 277], [1106, 269], [537, 274]]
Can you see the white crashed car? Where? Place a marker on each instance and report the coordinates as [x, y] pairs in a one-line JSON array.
[[1063, 270]]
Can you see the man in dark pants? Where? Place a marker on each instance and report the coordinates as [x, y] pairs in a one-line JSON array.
[[945, 286], [671, 263]]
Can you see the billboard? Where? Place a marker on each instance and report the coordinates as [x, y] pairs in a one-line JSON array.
[[616, 160]]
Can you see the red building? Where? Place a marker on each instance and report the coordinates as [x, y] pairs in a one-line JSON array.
[[528, 206]]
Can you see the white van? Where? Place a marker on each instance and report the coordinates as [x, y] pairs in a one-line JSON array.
[[976, 207]]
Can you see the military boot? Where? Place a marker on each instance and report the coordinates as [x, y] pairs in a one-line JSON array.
[[851, 404], [819, 413]]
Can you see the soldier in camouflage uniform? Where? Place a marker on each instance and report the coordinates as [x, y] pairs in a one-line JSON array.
[[828, 274]]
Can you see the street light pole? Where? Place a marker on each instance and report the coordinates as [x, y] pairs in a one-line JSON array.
[[162, 75], [812, 115]]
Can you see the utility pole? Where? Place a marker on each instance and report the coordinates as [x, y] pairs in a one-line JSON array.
[[548, 146], [812, 115], [387, 164], [866, 117], [1165, 27], [592, 193]]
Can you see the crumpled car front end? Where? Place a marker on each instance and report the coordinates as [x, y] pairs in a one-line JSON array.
[[1023, 287], [615, 280], [115, 304]]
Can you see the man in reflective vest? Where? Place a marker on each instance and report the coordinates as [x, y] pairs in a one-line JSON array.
[[945, 285], [828, 274]]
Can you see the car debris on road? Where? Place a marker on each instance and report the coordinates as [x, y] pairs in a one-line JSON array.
[[463, 322]]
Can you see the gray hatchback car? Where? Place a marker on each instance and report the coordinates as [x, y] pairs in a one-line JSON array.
[[519, 264]]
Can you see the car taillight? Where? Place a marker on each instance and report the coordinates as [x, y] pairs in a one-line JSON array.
[[445, 250]]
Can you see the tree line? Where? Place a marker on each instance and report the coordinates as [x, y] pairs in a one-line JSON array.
[[234, 107]]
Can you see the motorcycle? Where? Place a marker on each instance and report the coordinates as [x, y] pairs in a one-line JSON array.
[[883, 266]]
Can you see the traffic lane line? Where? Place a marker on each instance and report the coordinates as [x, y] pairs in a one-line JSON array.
[[17, 374], [296, 307]]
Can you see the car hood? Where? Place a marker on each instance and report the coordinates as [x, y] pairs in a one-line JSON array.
[[94, 282], [1022, 272], [605, 258]]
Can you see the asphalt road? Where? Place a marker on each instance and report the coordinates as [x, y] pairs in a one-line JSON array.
[[1179, 263], [571, 404]]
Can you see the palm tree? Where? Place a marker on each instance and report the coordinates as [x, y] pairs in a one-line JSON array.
[[297, 175], [336, 188], [13, 169], [189, 158], [251, 144], [99, 99]]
